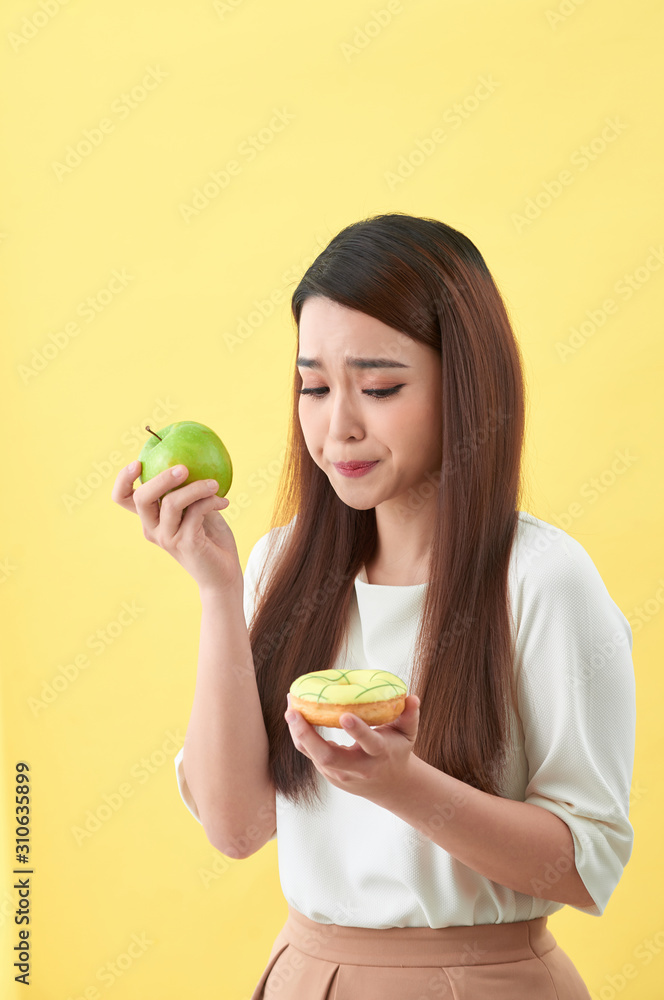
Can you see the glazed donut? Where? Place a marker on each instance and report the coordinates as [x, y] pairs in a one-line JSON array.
[[376, 696]]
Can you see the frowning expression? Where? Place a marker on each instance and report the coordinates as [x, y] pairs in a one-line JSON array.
[[369, 393]]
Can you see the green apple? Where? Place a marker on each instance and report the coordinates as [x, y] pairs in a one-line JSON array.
[[187, 443]]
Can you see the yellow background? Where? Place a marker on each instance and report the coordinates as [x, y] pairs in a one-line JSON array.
[[360, 101]]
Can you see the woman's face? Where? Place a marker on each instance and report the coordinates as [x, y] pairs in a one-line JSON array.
[[342, 422]]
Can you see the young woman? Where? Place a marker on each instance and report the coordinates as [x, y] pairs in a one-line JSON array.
[[419, 859]]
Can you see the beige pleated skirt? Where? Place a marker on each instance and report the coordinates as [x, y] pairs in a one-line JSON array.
[[509, 961]]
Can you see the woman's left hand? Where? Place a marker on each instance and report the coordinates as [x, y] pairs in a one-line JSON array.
[[375, 764]]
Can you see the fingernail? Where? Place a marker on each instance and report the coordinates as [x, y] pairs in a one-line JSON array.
[[212, 484], [290, 717], [178, 471], [133, 467]]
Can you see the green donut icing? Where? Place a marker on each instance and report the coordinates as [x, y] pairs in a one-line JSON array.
[[346, 687]]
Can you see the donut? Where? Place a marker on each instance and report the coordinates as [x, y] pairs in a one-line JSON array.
[[376, 696]]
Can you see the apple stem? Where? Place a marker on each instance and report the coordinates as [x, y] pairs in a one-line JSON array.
[[152, 432]]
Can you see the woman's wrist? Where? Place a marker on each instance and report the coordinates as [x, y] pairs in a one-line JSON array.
[[215, 593]]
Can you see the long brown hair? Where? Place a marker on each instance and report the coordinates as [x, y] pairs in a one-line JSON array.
[[421, 277]]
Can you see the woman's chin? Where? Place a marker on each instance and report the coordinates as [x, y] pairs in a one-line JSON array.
[[356, 503]]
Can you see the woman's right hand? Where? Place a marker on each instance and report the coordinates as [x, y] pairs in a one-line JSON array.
[[198, 539]]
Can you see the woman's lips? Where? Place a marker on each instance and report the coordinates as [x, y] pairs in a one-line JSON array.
[[354, 469]]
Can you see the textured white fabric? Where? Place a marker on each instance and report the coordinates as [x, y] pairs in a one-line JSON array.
[[573, 753]]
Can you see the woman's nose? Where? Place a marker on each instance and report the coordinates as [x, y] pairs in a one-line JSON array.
[[345, 418]]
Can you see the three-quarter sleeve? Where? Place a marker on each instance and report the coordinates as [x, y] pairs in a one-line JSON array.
[[252, 569], [576, 691], [183, 787]]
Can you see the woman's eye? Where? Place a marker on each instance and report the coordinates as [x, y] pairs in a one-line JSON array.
[[318, 392]]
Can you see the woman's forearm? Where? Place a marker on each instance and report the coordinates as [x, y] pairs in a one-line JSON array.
[[516, 844], [225, 755]]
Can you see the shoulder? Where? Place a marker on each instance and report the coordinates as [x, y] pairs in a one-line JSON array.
[[554, 579], [271, 542], [543, 554], [266, 548]]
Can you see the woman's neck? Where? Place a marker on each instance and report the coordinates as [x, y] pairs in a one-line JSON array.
[[397, 575]]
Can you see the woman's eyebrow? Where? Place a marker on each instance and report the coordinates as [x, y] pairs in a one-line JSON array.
[[353, 363]]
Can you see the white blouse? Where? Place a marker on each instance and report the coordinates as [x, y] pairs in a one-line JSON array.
[[353, 862]]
